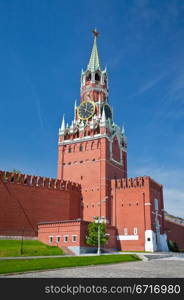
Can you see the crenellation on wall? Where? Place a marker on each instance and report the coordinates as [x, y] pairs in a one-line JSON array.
[[38, 181], [126, 183]]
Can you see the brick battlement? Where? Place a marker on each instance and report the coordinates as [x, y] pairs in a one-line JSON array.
[[124, 183], [38, 181]]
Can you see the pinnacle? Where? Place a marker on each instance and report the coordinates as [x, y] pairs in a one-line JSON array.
[[63, 123]]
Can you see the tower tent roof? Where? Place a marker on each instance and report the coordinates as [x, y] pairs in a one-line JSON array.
[[94, 62]]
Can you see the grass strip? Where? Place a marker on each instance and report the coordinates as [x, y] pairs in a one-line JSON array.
[[29, 248], [15, 265]]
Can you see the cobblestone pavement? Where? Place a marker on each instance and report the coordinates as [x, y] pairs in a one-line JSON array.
[[171, 267]]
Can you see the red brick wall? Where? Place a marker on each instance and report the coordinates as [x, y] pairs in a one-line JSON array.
[[133, 207], [61, 229], [41, 200], [175, 232], [78, 228]]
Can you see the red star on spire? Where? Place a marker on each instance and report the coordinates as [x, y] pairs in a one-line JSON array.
[[95, 33]]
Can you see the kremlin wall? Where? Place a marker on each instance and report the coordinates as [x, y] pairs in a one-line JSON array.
[[27, 200]]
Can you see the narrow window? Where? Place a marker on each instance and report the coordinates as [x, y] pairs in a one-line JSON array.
[[57, 239], [65, 238], [50, 239], [74, 238], [69, 149], [135, 230], [80, 148]]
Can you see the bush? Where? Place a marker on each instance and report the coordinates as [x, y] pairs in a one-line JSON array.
[[172, 246]]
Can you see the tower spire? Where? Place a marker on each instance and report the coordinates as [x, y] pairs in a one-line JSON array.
[[94, 62]]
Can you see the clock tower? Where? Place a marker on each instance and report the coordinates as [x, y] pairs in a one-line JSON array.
[[93, 149]]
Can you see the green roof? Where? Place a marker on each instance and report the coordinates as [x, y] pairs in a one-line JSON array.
[[94, 62]]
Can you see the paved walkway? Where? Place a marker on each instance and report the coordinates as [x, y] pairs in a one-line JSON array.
[[165, 267]]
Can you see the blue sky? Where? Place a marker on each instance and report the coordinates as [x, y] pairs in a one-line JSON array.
[[43, 46]]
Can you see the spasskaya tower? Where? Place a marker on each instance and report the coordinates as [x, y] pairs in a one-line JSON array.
[[93, 149]]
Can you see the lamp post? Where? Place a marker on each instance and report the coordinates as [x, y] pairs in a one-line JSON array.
[[98, 251], [99, 221]]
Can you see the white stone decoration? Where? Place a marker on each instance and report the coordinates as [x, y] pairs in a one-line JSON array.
[[127, 237], [150, 241]]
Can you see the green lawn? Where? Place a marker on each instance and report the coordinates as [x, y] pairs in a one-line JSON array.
[[30, 248], [10, 266]]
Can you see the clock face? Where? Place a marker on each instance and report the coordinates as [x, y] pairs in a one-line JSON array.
[[108, 112], [86, 110]]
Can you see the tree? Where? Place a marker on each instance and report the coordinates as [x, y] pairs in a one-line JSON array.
[[92, 234], [16, 171]]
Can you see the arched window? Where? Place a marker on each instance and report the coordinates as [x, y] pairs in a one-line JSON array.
[[67, 136], [97, 77], [76, 134], [97, 130], [88, 77]]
